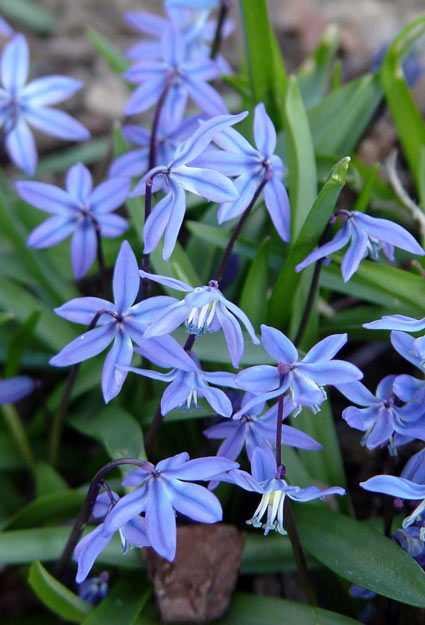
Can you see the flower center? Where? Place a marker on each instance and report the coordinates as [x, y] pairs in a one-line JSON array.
[[272, 503], [200, 318]]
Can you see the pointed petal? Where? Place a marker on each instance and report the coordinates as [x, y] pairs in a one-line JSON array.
[[109, 195], [14, 389], [172, 45], [83, 309], [134, 163], [85, 346], [263, 464], [150, 309], [87, 551], [195, 502], [355, 254], [239, 313], [246, 186], [205, 182], [156, 223], [79, 182], [333, 372], [201, 468], [264, 131], [167, 322], [51, 232], [277, 203], [83, 249], [173, 283], [404, 344], [173, 462], [358, 393], [14, 64], [233, 445], [46, 197], [278, 345], [165, 351], [120, 354], [217, 399], [112, 226], [146, 23], [161, 521], [395, 486], [339, 241], [175, 221], [293, 437], [396, 322], [176, 393], [145, 96], [232, 141], [258, 379], [56, 123], [20, 147], [127, 508], [389, 232], [126, 280], [232, 333], [312, 492], [146, 70], [326, 348], [135, 532], [50, 90]]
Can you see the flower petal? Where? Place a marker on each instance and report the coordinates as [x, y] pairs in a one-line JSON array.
[[83, 248], [175, 220], [85, 346], [165, 351], [51, 232], [20, 147], [127, 508], [156, 223], [83, 309], [161, 521], [339, 241], [389, 232], [50, 90], [358, 393], [79, 182], [205, 96], [56, 123], [14, 64], [232, 333], [120, 354], [264, 131], [14, 389], [263, 464], [126, 280], [135, 532], [87, 551], [355, 254], [217, 399], [195, 502], [205, 182], [326, 348], [278, 345], [134, 163], [46, 197], [109, 195], [277, 203], [395, 486], [112, 226], [145, 96]]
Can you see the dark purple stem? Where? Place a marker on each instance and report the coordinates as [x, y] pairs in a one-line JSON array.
[[218, 36], [87, 506], [153, 144], [232, 241]]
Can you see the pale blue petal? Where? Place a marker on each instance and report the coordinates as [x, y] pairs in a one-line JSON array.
[[120, 354], [304, 391], [360, 418], [205, 96], [389, 232], [83, 309], [258, 379], [355, 254], [87, 551], [14, 64], [165, 351], [232, 141], [405, 387], [277, 203], [146, 23], [146, 70], [205, 182], [145, 96], [263, 464], [382, 430], [395, 486], [232, 333], [50, 90], [339, 241], [220, 378], [175, 221], [296, 438], [79, 182], [384, 390], [102, 505], [20, 147], [172, 45], [227, 163], [149, 310], [225, 429], [173, 283], [134, 163], [112, 226], [176, 393], [201, 468], [46, 197], [85, 346], [166, 323], [14, 389], [233, 445], [149, 373], [396, 322], [56, 123], [312, 492], [83, 248], [51, 232], [358, 393], [326, 348], [246, 186], [333, 372], [404, 344], [264, 131], [156, 223], [136, 134], [278, 345], [217, 399], [109, 195], [175, 104], [239, 313], [195, 502], [206, 132], [243, 480], [135, 532], [128, 507], [161, 521], [126, 280], [201, 69], [173, 462]]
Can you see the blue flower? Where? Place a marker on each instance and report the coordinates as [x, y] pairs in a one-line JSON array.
[[132, 532], [5, 29], [94, 589], [382, 416], [22, 104], [251, 166], [14, 389], [368, 236], [303, 378], [266, 480], [184, 76], [204, 309], [80, 211], [407, 387], [122, 322], [193, 4], [403, 323], [187, 383], [253, 430], [165, 489], [167, 216]]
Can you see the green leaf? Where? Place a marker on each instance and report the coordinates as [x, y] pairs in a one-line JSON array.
[[314, 74], [108, 51], [48, 543], [301, 160], [56, 596], [29, 14], [364, 197], [116, 429], [399, 290], [10, 455], [50, 506], [19, 343], [287, 283], [179, 265], [407, 117], [254, 291], [338, 121], [269, 555], [123, 603], [360, 554], [48, 480], [265, 64], [240, 84], [248, 609]]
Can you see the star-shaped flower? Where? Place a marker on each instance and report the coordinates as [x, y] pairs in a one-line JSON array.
[[368, 236], [22, 104], [122, 322], [165, 489], [251, 166], [79, 210], [204, 309], [303, 378]]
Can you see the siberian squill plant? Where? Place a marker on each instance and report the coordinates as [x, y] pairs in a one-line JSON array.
[[250, 366]]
